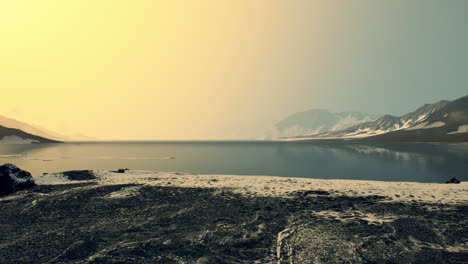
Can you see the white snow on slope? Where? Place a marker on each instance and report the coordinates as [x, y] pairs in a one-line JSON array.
[[461, 129], [418, 126], [435, 124], [16, 140], [422, 117], [365, 133], [426, 125]]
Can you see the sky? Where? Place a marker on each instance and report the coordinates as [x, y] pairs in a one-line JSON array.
[[183, 69]]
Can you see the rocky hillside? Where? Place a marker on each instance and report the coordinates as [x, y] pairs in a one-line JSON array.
[[444, 121], [448, 124]]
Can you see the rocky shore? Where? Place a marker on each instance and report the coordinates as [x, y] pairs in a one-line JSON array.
[[149, 217]]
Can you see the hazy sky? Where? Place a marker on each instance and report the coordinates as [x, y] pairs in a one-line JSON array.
[[149, 69]]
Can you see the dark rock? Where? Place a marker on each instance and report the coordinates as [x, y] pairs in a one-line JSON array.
[[453, 180], [13, 179], [120, 171], [79, 175]]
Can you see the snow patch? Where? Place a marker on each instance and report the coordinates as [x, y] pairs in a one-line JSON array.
[[426, 125], [461, 129], [418, 126], [422, 117], [13, 139], [435, 124]]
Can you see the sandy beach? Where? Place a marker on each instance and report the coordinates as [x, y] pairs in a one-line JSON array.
[[160, 217], [408, 192]]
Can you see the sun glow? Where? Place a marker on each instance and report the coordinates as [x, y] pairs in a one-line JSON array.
[[167, 69]]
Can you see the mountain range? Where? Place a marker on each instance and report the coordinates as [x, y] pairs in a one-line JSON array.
[[17, 136], [34, 130], [13, 131], [315, 121], [443, 121]]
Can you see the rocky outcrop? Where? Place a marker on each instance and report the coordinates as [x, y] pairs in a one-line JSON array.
[[79, 175], [13, 179], [453, 180]]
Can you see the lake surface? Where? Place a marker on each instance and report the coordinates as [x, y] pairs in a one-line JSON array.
[[419, 162]]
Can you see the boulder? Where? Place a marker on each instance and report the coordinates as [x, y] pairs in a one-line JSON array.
[[13, 179], [79, 175], [453, 180]]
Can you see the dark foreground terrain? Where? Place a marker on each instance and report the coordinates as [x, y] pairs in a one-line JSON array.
[[79, 223]]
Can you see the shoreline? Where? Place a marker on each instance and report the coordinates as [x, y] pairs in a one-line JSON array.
[[283, 186]]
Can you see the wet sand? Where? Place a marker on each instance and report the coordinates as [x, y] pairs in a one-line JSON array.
[[149, 217]]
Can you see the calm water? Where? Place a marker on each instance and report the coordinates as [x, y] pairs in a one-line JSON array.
[[388, 162]]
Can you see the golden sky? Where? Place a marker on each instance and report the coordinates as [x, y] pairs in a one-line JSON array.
[[149, 69], [141, 69]]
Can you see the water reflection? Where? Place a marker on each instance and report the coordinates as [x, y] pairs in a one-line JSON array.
[[439, 161], [421, 162]]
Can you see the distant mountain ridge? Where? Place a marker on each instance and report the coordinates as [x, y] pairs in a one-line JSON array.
[[448, 124], [316, 121], [44, 133], [17, 136], [41, 132], [388, 123], [443, 121]]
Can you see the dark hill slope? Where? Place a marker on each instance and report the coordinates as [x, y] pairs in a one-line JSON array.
[[5, 131]]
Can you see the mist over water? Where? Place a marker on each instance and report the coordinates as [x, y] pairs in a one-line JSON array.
[[419, 162]]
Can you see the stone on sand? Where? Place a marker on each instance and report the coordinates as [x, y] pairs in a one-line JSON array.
[[79, 175], [13, 179], [453, 180]]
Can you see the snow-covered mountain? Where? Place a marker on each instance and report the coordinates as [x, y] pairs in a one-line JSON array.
[[315, 121], [387, 123], [441, 121], [447, 124]]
